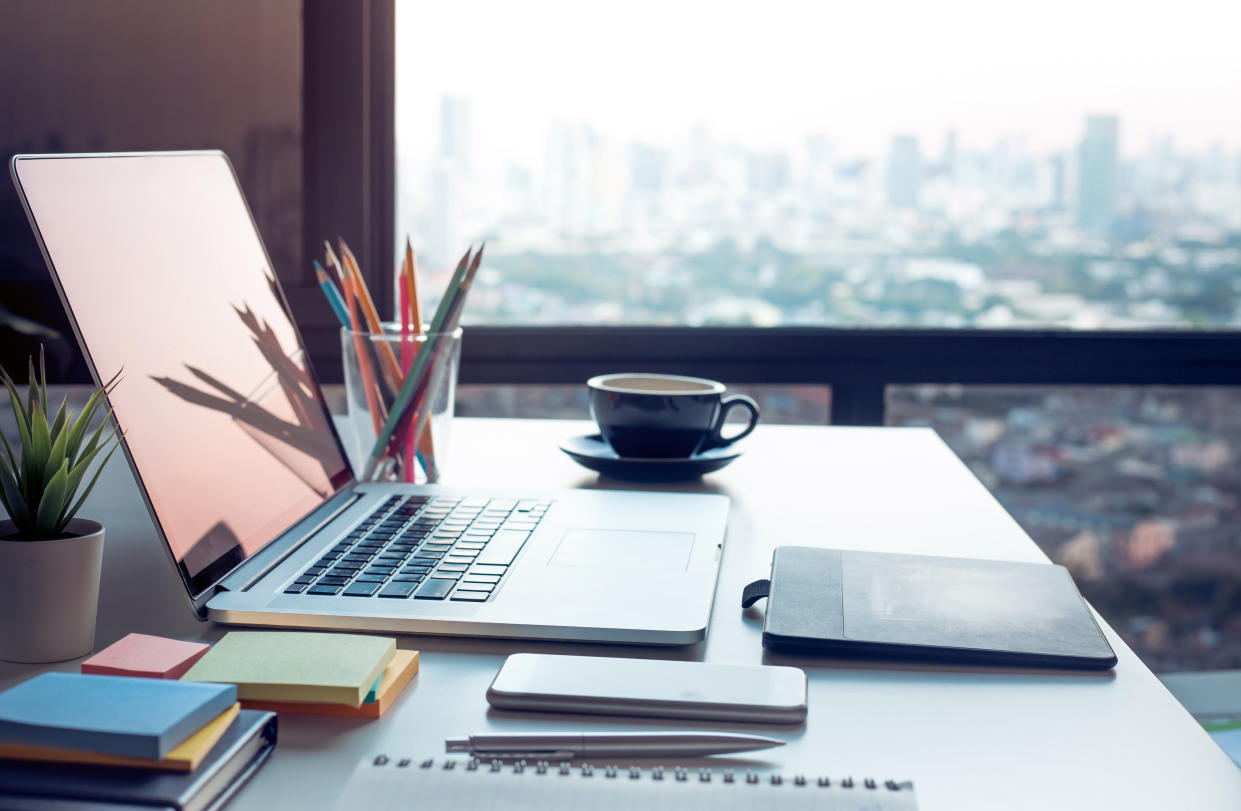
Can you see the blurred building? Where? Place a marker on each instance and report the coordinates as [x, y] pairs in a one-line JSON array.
[[904, 172], [1097, 169]]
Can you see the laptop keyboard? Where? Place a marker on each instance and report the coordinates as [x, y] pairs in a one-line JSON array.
[[426, 548]]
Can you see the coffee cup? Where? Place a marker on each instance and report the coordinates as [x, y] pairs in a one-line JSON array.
[[653, 416]]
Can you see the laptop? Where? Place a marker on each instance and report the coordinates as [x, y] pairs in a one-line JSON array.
[[163, 274]]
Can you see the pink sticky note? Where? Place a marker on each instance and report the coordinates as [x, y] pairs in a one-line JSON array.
[[141, 655]]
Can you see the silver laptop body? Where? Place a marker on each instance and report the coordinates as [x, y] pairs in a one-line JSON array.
[[162, 271]]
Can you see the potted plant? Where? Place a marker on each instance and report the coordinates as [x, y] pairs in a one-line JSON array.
[[49, 559]]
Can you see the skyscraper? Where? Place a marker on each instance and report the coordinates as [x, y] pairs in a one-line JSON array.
[[1096, 174], [904, 172], [450, 181], [456, 132]]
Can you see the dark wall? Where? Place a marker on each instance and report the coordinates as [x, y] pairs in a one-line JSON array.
[[85, 76]]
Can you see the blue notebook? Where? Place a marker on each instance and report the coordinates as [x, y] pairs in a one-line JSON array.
[[59, 786], [118, 715]]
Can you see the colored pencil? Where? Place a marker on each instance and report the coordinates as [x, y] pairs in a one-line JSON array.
[[418, 377], [411, 284], [425, 440], [407, 360], [329, 257], [387, 358], [333, 295]]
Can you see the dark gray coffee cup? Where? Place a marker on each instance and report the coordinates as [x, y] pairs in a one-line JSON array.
[[653, 416]]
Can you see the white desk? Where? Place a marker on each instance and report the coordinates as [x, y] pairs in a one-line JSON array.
[[970, 738]]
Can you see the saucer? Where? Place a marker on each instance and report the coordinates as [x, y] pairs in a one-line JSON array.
[[592, 452]]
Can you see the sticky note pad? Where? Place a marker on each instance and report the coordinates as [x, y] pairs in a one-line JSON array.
[[154, 657], [296, 666], [186, 757], [399, 673], [116, 715]]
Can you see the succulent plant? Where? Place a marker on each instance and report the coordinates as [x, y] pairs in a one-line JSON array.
[[40, 489]]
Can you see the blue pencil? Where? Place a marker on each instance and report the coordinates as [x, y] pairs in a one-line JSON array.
[[333, 295]]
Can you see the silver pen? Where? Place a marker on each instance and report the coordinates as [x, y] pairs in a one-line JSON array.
[[562, 746]]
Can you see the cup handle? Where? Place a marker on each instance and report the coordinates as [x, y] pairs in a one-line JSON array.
[[717, 438]]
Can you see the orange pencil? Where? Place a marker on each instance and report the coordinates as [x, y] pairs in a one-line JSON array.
[[387, 358]]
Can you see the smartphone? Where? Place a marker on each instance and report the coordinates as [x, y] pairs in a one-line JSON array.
[[654, 687]]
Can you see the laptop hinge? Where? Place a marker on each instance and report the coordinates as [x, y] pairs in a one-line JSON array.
[[288, 542]]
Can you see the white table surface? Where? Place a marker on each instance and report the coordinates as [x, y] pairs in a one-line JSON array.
[[970, 738]]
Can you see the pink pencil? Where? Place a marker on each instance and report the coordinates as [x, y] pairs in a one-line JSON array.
[[407, 360]]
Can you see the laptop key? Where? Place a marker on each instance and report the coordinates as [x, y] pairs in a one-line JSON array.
[[452, 567], [434, 589], [323, 589], [372, 577], [398, 589], [474, 585], [406, 578], [330, 580], [362, 589], [474, 577], [471, 595], [443, 575], [295, 588], [496, 570], [503, 548]]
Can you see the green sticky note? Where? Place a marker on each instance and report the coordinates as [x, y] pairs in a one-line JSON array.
[[297, 666]]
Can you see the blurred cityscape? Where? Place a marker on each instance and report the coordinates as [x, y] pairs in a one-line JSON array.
[[1135, 490], [709, 232]]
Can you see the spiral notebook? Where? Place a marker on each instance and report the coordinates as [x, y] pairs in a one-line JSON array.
[[471, 785]]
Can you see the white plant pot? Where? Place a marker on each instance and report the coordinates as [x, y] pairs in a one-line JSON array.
[[49, 593]]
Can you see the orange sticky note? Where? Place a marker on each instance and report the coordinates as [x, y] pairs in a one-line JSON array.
[[154, 657]]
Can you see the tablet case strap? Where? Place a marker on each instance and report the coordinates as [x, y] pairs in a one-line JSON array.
[[754, 592]]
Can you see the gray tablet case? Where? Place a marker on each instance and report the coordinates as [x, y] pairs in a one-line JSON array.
[[932, 608]]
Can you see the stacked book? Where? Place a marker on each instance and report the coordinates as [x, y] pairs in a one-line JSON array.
[[96, 738], [320, 673]]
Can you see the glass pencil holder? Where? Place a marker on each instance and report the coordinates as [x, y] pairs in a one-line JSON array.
[[401, 388]]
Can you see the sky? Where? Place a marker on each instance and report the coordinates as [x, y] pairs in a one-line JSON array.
[[766, 75]]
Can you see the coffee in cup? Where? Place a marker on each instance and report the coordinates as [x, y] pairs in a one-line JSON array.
[[654, 416]]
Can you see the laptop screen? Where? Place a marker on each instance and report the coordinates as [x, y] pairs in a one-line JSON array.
[[165, 277]]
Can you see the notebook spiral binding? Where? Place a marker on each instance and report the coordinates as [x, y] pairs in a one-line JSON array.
[[614, 772]]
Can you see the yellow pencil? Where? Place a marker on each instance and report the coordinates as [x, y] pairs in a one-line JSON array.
[[411, 286], [332, 262]]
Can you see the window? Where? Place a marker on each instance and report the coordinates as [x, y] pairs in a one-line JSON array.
[[945, 165]]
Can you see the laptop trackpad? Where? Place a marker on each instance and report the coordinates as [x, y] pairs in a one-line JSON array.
[[624, 549]]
